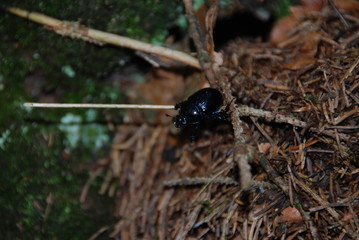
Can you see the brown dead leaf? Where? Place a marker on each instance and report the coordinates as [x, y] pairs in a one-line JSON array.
[[162, 87], [307, 144], [281, 28], [308, 6], [311, 42], [307, 52], [313, 5], [289, 215], [350, 5], [264, 147], [298, 11]]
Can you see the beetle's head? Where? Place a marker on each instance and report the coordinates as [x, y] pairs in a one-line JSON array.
[[180, 121]]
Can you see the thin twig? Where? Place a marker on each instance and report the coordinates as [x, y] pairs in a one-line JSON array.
[[96, 105], [77, 31], [261, 130], [244, 111], [341, 17], [273, 174], [199, 181]]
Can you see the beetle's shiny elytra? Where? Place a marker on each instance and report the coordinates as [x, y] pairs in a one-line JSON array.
[[203, 104]]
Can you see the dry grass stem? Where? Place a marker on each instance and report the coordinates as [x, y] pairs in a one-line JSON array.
[[96, 105], [77, 31]]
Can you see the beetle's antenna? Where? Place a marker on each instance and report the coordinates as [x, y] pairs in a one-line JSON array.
[[92, 105]]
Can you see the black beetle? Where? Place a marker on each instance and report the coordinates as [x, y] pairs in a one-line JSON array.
[[203, 104]]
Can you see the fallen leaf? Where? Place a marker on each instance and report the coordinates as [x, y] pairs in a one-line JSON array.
[[350, 5], [289, 215], [313, 5], [279, 32], [264, 147], [311, 42]]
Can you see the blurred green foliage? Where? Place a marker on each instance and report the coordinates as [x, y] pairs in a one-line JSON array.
[[281, 8]]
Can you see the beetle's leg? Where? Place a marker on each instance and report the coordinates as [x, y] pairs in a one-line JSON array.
[[196, 128]]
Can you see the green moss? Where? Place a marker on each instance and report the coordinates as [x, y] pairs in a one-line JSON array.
[[36, 63], [281, 8], [147, 20], [31, 168]]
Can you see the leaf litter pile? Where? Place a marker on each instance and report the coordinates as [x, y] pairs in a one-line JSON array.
[[286, 164]]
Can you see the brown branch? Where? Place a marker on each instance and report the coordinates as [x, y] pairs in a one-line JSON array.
[[211, 63], [273, 175], [77, 31], [245, 111], [199, 181]]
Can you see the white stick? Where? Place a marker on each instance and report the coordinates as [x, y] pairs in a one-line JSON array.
[[91, 105]]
